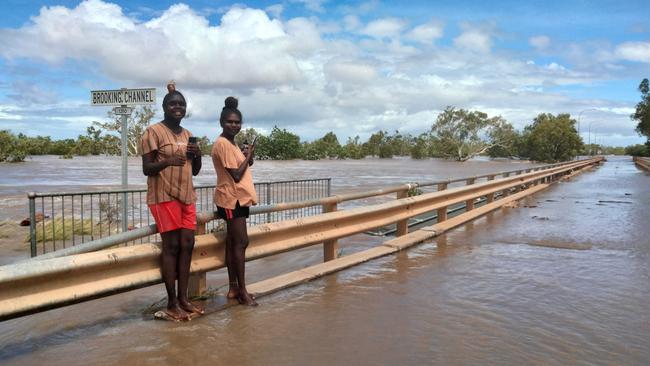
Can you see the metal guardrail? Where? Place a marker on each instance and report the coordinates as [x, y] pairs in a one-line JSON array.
[[281, 209], [67, 219], [26, 288]]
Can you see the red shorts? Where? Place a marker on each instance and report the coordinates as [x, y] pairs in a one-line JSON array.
[[173, 215]]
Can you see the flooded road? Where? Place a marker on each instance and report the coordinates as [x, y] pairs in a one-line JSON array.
[[563, 281]]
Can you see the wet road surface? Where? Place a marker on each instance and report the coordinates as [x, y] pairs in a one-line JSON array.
[[562, 279]]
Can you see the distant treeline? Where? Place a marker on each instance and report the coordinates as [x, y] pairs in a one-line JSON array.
[[456, 134]]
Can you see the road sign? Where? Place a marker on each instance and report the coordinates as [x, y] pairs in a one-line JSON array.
[[122, 110], [123, 97]]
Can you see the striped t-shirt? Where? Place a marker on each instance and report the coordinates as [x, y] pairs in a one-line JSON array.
[[173, 182]]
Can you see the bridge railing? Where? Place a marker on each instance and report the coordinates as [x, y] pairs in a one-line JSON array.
[[68, 219], [643, 163], [27, 288], [286, 210]]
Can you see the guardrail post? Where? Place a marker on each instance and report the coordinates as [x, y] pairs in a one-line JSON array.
[[442, 211], [197, 284], [469, 204], [402, 225], [506, 191], [490, 196], [330, 247], [32, 223], [268, 201]]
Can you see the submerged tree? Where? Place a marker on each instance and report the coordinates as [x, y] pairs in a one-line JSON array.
[[353, 149], [551, 138], [463, 134], [280, 144], [326, 147], [136, 124]]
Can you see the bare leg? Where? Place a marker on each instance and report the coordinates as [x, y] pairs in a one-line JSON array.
[[239, 238], [233, 288], [184, 262], [170, 249]]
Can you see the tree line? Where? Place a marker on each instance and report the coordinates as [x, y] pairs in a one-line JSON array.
[[457, 134]]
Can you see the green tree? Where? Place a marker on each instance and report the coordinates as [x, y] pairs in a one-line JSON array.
[[400, 145], [326, 147], [136, 124], [642, 112], [205, 145], [248, 135], [510, 142], [421, 147], [39, 145], [279, 145], [371, 147], [637, 150], [463, 134], [352, 149], [551, 138], [13, 148]]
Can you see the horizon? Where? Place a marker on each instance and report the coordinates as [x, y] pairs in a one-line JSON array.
[[314, 66]]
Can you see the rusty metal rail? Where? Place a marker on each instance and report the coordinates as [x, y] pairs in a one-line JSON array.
[[643, 163], [26, 288]]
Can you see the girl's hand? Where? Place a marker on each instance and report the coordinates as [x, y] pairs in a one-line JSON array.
[[176, 160], [194, 150]]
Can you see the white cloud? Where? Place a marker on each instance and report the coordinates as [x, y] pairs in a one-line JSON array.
[[384, 27], [540, 42], [426, 33], [351, 22], [275, 10], [350, 72], [179, 44], [474, 38], [298, 73], [555, 67], [634, 51]]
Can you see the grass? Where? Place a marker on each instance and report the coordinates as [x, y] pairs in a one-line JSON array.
[[58, 229]]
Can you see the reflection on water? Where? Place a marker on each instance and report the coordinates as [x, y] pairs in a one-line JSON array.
[[497, 291]]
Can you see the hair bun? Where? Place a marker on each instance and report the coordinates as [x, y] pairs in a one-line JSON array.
[[171, 86], [231, 103]]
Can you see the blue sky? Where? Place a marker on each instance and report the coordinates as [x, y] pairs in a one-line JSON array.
[[312, 66]]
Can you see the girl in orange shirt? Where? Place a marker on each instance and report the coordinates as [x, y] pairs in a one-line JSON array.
[[233, 197], [169, 160]]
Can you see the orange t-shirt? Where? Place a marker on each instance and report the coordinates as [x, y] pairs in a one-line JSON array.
[[226, 155], [173, 182]]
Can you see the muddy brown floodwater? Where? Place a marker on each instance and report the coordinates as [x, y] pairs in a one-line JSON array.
[[563, 279]]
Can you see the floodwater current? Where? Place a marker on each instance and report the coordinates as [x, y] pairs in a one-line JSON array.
[[563, 279]]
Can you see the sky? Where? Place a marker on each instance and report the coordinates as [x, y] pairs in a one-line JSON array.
[[314, 66]]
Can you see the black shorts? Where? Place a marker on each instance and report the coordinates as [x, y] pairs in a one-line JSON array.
[[228, 214]]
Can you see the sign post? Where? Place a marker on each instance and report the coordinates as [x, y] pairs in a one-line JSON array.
[[123, 99]]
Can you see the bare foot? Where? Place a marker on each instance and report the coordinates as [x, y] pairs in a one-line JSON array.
[[190, 308], [233, 293], [176, 313], [247, 299]]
